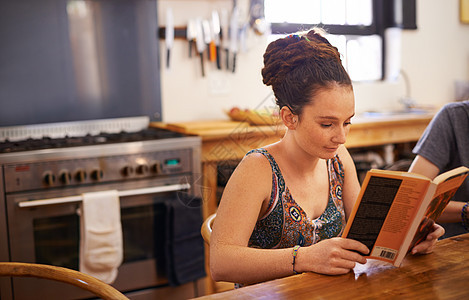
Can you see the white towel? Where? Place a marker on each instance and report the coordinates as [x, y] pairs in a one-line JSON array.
[[101, 246]]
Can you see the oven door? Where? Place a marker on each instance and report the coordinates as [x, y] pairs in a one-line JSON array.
[[49, 234]]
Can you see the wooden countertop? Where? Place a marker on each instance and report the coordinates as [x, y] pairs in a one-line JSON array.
[[238, 138], [388, 129], [443, 274], [215, 129]]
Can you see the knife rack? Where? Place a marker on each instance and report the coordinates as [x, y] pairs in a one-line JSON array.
[[179, 33]]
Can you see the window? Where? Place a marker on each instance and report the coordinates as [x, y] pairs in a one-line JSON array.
[[355, 27], [339, 12]]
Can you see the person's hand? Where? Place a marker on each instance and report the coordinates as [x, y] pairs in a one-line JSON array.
[[332, 256], [426, 246]]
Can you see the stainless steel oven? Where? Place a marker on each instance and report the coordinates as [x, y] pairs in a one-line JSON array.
[[41, 193]]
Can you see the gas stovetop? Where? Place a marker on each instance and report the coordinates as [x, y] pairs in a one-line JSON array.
[[88, 140], [48, 163]]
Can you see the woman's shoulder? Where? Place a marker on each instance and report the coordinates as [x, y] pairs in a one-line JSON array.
[[257, 158], [254, 161], [252, 179], [259, 152]]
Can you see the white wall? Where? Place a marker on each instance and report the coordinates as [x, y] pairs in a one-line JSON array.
[[433, 56], [437, 53]]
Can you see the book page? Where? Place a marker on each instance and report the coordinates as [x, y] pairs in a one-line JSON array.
[[449, 174]]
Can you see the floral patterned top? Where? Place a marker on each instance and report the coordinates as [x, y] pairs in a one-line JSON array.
[[285, 224]]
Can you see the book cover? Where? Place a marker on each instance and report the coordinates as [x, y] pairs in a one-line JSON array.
[[395, 210]]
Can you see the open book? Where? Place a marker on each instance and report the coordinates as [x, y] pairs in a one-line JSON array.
[[395, 210]]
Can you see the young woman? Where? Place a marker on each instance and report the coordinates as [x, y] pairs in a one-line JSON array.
[[285, 206]]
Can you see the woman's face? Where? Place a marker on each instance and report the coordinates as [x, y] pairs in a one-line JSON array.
[[325, 123]]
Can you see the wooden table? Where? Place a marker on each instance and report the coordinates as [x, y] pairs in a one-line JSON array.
[[443, 274]]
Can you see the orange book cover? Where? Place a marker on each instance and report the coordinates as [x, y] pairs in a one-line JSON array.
[[395, 210]]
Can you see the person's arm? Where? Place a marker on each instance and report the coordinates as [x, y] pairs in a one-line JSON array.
[[423, 166], [238, 211], [452, 212], [230, 257]]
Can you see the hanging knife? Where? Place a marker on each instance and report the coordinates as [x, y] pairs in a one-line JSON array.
[[207, 36], [234, 35], [169, 34], [199, 41], [191, 34], [225, 36], [216, 36]]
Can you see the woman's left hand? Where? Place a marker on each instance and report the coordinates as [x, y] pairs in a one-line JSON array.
[[426, 246]]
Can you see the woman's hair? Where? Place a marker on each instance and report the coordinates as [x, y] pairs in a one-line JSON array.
[[298, 66]]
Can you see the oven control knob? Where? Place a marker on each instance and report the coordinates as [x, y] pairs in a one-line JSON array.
[[80, 175], [127, 171], [65, 177], [97, 174], [142, 169], [49, 178], [156, 167]]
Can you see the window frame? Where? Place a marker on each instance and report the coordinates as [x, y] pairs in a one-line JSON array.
[[383, 16], [373, 28]]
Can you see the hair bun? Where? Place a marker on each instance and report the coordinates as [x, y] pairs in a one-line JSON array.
[[285, 54]]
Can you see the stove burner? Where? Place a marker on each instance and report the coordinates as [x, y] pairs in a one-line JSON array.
[[102, 138]]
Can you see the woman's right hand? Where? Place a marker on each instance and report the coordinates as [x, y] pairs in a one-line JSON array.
[[331, 257]]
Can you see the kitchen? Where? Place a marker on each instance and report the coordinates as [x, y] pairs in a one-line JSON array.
[[187, 96]]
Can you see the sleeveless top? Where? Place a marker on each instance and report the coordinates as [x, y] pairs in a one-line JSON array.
[[285, 224]]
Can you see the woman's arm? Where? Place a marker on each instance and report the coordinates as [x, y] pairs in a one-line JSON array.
[[240, 206]]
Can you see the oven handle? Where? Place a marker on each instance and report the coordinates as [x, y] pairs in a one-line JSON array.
[[135, 192]]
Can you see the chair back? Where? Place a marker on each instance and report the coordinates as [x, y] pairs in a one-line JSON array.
[[76, 278], [206, 229]]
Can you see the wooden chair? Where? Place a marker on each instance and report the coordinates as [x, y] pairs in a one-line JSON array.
[[206, 229], [76, 278]]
